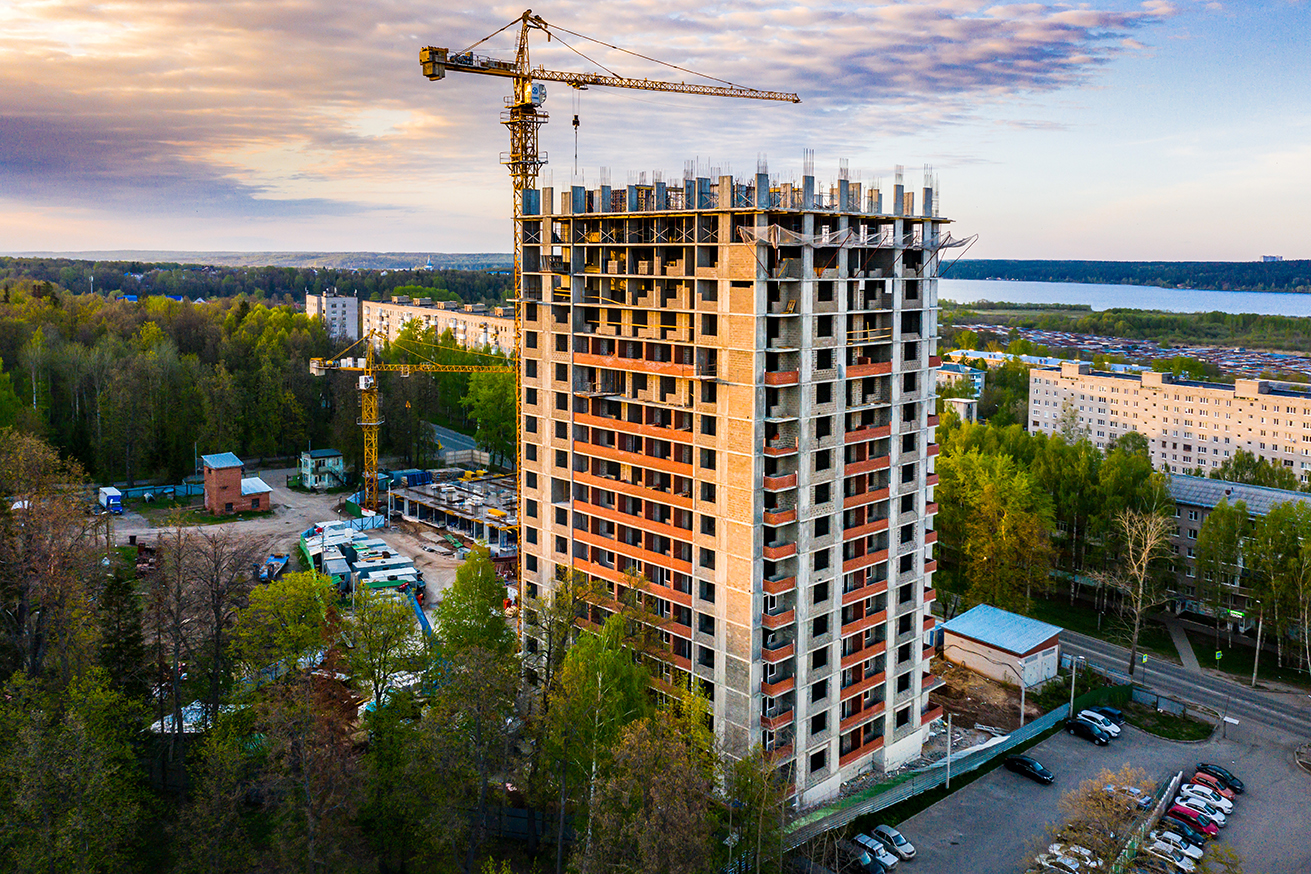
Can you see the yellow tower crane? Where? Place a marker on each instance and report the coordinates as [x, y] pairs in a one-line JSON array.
[[368, 367], [523, 118]]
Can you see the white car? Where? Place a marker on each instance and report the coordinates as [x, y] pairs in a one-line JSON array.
[[1100, 721], [895, 841], [877, 850], [1201, 806], [1207, 794], [1059, 862], [1186, 847], [1162, 850], [1074, 851]]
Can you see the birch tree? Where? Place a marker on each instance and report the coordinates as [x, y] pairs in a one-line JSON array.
[[1145, 545]]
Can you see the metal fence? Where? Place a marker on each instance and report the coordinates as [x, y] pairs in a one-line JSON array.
[[811, 827]]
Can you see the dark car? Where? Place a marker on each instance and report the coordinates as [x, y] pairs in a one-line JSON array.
[[1088, 730], [1110, 713], [1029, 767], [1220, 773], [1186, 829]]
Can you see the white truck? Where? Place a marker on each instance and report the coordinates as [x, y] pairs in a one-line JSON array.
[[111, 500]]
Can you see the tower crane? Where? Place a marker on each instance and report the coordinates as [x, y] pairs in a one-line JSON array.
[[523, 117], [368, 368]]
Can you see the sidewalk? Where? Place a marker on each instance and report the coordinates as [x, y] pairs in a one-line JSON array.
[[1181, 643]]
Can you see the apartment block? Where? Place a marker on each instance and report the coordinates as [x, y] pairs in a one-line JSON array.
[[1188, 424], [472, 325], [340, 313], [728, 390], [1194, 498]]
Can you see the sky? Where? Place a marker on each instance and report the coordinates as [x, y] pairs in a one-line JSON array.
[[1159, 130]]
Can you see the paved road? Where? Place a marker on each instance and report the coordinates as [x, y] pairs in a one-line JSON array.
[[1289, 712]]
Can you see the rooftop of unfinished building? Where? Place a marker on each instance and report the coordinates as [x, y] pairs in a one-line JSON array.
[[710, 190]]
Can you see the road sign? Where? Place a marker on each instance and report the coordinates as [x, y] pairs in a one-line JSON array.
[[1218, 654], [1144, 658]]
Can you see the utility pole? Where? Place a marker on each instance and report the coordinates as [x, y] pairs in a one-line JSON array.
[[1256, 659], [948, 750]]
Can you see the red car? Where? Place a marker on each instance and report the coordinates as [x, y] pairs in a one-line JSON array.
[[1213, 784], [1200, 821]]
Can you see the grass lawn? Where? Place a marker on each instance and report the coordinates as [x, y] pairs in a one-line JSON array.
[[1237, 660], [198, 515], [1166, 725], [1058, 610]]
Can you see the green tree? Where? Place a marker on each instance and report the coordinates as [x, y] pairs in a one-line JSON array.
[[756, 795], [1244, 467], [122, 643], [490, 402], [9, 402], [382, 640], [211, 836], [472, 612], [1220, 556], [67, 780], [284, 622], [601, 689], [1136, 571]]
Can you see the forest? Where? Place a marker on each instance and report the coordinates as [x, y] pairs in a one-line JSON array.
[[274, 284], [1290, 276], [163, 712], [135, 391]]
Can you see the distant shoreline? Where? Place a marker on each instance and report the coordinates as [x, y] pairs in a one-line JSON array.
[[302, 259], [1220, 276]]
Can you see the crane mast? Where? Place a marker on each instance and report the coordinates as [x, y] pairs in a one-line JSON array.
[[523, 117]]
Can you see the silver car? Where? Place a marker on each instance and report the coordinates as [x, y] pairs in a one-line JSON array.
[[894, 841]]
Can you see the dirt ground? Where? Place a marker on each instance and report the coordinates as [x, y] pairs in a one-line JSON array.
[[293, 512], [974, 699]]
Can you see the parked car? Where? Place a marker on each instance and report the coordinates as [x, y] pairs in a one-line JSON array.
[[1133, 795], [894, 841], [1116, 716], [1229, 779], [1200, 821], [1100, 721], [1074, 851], [1215, 783], [853, 856], [1176, 840], [1202, 807], [1207, 794], [1185, 827], [1084, 728], [1029, 767], [1162, 850], [876, 849], [1058, 862]]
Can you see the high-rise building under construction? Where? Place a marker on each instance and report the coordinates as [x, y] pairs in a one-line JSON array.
[[729, 392]]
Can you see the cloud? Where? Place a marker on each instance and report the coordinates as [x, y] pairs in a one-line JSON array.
[[318, 108]]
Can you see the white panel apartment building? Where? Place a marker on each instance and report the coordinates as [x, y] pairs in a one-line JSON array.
[[341, 314], [1188, 424], [472, 325]]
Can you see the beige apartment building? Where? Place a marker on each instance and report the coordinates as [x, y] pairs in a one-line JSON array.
[[340, 313], [728, 389], [472, 325], [1188, 424]]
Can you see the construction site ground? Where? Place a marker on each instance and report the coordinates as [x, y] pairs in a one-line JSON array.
[[294, 511]]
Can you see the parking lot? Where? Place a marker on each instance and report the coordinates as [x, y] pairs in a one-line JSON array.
[[991, 825]]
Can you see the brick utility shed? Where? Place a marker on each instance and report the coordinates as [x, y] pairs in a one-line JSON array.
[[1002, 645], [229, 490]]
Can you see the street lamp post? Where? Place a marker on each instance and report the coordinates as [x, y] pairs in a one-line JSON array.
[[1074, 673]]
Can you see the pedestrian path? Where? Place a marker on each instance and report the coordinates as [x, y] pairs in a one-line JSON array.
[[1181, 643]]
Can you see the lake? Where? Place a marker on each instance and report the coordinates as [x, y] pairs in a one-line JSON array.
[[1104, 297]]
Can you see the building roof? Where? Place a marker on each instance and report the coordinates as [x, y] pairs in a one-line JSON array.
[[1200, 491], [253, 485], [953, 367], [323, 453], [221, 460], [1001, 629]]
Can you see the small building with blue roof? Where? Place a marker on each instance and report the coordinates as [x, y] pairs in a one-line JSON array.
[[229, 490], [1004, 646]]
